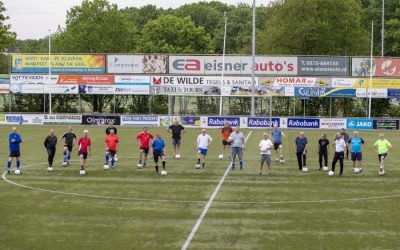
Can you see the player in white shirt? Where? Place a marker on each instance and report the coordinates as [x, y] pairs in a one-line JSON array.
[[265, 148], [203, 142], [340, 147]]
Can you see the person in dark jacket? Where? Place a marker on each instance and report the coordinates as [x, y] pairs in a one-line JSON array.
[[14, 139], [50, 144]]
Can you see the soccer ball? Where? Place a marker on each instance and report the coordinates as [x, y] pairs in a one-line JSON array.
[[356, 170], [49, 169], [17, 172], [305, 169], [178, 156], [221, 156], [65, 163], [139, 165], [331, 173], [163, 173], [106, 166], [381, 172], [82, 172], [325, 168], [197, 166], [282, 161]]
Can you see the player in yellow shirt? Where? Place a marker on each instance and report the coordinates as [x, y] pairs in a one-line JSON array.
[[382, 147]]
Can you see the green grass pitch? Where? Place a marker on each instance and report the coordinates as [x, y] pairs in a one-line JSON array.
[[130, 208]]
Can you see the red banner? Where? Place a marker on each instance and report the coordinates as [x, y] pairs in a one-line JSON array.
[[86, 79]]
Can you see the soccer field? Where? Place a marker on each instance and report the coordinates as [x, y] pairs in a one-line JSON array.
[[130, 208]]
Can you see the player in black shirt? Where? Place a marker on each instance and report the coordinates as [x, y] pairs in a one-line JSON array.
[[177, 130], [323, 144], [50, 144], [108, 129], [69, 138]]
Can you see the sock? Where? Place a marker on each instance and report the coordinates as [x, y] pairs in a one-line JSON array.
[[241, 163], [198, 160], [107, 158], [68, 156], [156, 169], [163, 165], [204, 164], [233, 165], [82, 168], [140, 161], [112, 162], [18, 164], [9, 165], [144, 164]]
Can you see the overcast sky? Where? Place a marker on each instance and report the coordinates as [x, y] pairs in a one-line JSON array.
[[33, 18]]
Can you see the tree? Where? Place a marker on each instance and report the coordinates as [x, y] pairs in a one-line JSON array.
[[170, 34], [140, 17], [7, 38]]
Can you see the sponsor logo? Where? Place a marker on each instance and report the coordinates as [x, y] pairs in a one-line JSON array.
[[100, 120], [302, 123], [263, 122], [219, 121], [360, 124]]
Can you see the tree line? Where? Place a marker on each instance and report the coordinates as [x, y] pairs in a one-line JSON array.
[[284, 27]]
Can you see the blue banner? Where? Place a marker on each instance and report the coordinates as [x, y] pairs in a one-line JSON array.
[[190, 120], [324, 92], [360, 124], [302, 123], [262, 122], [393, 93], [217, 121]]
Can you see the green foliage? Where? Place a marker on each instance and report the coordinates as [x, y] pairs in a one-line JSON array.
[[170, 34], [140, 16], [7, 38]]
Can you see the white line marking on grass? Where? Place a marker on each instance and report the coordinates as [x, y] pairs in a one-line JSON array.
[[208, 205]]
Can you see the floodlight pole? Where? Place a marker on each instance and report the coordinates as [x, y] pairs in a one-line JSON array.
[[370, 71], [223, 67], [253, 53], [49, 80], [383, 28]]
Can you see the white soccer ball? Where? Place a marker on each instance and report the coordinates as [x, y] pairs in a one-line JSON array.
[[356, 170], [115, 158], [82, 172], [50, 169], [305, 169], [106, 166], [197, 166], [65, 163], [178, 156], [325, 168], [381, 172], [221, 156], [17, 172], [282, 161], [139, 165], [163, 173], [331, 173]]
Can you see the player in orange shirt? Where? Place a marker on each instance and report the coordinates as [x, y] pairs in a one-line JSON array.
[[111, 142], [144, 139], [226, 131]]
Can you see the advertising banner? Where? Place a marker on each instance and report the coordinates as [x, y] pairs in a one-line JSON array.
[[137, 64], [86, 79], [233, 65], [165, 121], [33, 79], [360, 124], [302, 123], [4, 83], [61, 89], [379, 83], [262, 122], [323, 66], [386, 124], [24, 119], [295, 81], [26, 88], [62, 119], [139, 120], [218, 121], [132, 80], [389, 67], [324, 92], [373, 93], [186, 90], [332, 123], [258, 91], [193, 121], [393, 93], [60, 64], [131, 90], [96, 89], [100, 120], [202, 80]]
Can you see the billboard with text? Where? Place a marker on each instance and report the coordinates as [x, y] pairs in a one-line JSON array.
[[137, 64], [323, 66]]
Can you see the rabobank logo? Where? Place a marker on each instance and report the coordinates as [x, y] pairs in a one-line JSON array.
[[262, 122], [216, 121], [360, 124], [303, 123]]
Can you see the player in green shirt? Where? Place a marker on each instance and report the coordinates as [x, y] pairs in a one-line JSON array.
[[382, 146]]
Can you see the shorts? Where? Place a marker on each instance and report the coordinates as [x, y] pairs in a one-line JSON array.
[[237, 151], [276, 145], [356, 156], [157, 155], [226, 143], [112, 152], [380, 156], [202, 151], [176, 141], [144, 150], [69, 147], [15, 154], [83, 154], [265, 158]]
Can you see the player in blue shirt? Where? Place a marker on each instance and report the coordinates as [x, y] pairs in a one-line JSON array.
[[277, 134], [357, 146], [158, 146], [14, 139]]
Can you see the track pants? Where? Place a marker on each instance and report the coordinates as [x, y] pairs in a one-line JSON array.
[[301, 160], [51, 152], [323, 155], [339, 156]]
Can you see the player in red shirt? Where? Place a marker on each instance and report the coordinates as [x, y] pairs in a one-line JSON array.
[[111, 142], [84, 145], [144, 139]]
